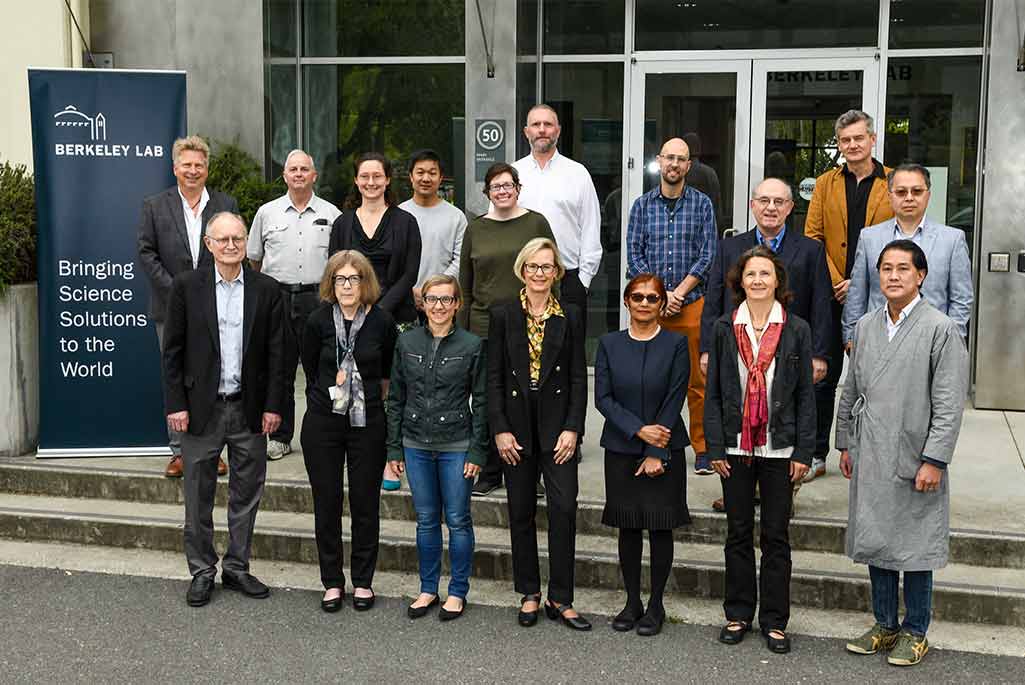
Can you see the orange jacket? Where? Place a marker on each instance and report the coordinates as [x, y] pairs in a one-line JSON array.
[[827, 216]]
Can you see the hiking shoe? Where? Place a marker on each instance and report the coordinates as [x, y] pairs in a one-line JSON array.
[[909, 650], [875, 639]]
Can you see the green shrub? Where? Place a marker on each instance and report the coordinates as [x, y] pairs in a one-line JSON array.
[[17, 226], [235, 172]]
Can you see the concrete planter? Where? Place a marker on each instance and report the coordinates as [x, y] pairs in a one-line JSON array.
[[19, 370]]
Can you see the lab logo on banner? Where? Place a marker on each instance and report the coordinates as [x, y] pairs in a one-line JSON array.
[[73, 118]]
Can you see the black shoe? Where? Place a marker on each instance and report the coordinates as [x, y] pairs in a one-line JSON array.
[[626, 619], [777, 645], [651, 623], [736, 635], [446, 615], [482, 487], [333, 605], [528, 618], [363, 603], [200, 590], [557, 613], [246, 583], [420, 612]]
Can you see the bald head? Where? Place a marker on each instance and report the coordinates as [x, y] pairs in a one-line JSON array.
[[673, 164], [300, 174], [676, 146]]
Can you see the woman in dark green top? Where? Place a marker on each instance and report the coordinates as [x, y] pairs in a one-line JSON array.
[[437, 433]]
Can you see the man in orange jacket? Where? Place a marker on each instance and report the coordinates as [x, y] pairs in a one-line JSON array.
[[846, 199]]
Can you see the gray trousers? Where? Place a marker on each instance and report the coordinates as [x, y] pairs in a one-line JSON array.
[[174, 438], [247, 464]]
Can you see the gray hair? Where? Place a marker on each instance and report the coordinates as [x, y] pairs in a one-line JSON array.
[[193, 143], [790, 192], [853, 116], [297, 151], [910, 167], [226, 215], [547, 108]]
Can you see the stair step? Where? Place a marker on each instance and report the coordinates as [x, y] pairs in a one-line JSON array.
[[821, 580]]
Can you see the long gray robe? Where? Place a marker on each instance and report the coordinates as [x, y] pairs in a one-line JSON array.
[[903, 400]]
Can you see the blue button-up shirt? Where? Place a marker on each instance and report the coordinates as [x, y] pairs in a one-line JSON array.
[[774, 243], [672, 244], [230, 301]]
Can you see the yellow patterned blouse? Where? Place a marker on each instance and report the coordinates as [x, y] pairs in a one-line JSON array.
[[536, 332]]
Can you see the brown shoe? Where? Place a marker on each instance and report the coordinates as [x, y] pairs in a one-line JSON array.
[[719, 505], [174, 467], [222, 468]]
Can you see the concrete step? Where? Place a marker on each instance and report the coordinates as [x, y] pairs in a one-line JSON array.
[[995, 549], [820, 580]]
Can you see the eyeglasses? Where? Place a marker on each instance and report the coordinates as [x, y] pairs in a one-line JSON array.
[[234, 240], [764, 202], [507, 187], [365, 178], [650, 298], [914, 192], [352, 280], [532, 268], [443, 300], [673, 159]]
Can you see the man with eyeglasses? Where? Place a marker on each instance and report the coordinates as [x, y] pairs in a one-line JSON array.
[[289, 243], [949, 284], [672, 234], [846, 199], [807, 275], [170, 242]]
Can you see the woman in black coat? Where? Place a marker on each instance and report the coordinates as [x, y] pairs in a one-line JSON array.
[[537, 403], [640, 382], [760, 430]]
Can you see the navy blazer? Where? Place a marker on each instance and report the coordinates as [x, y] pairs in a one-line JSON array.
[[638, 384], [807, 278]]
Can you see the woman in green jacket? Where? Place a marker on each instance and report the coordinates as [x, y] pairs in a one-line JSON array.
[[437, 433]]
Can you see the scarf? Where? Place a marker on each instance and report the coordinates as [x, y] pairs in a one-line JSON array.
[[756, 402], [350, 398]]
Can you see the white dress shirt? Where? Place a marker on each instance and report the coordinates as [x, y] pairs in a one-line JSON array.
[[230, 312], [194, 223], [564, 193], [893, 326]]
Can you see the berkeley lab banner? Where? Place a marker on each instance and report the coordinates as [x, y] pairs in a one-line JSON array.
[[101, 143]]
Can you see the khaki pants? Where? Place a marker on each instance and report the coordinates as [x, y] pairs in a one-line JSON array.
[[688, 323]]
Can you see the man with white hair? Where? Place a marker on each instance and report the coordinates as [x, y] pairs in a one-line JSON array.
[[289, 243]]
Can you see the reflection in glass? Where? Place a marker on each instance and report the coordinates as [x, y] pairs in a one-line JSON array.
[[937, 23], [574, 27], [526, 28], [279, 28], [358, 28], [280, 86]]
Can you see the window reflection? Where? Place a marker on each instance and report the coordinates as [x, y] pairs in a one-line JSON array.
[[936, 23]]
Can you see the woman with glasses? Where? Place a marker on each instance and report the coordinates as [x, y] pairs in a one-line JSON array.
[[348, 345], [486, 274], [437, 433], [640, 383], [537, 403]]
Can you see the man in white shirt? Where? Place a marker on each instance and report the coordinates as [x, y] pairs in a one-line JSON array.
[[562, 190], [289, 243]]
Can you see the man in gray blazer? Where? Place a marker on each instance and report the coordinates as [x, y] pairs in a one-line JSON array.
[[949, 285], [171, 241]]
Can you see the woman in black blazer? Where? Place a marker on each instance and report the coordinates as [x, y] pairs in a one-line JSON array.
[[537, 403], [640, 382], [760, 429]]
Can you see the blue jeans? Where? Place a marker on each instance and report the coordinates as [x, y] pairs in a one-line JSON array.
[[917, 599], [436, 479]]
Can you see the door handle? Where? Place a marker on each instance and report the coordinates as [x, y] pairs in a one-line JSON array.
[[729, 232], [1021, 262]]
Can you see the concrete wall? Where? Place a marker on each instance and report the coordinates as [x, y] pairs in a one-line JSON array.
[[19, 370], [33, 34], [219, 44]]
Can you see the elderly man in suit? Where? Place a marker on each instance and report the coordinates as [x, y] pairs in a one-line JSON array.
[[949, 286], [808, 276], [170, 241], [224, 352]]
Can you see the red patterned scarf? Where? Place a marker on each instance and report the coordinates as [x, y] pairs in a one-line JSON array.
[[756, 401]]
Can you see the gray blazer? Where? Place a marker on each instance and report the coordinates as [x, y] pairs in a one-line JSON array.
[[948, 286], [164, 242]]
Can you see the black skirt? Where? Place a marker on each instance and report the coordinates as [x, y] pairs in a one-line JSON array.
[[642, 502]]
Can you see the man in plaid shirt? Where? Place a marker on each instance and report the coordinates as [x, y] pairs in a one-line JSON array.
[[672, 234]]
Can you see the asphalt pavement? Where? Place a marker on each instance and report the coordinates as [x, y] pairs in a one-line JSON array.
[[67, 627]]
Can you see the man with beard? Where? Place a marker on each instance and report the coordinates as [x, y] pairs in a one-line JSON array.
[[672, 234]]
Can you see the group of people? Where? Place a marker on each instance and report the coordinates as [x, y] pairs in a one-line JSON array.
[[452, 351]]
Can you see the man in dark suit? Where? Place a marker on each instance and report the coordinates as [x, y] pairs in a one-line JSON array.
[[224, 366], [805, 261], [170, 241]]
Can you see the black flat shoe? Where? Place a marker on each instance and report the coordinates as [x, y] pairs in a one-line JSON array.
[[626, 619], [446, 615], [200, 590], [777, 645], [558, 613], [649, 624], [731, 634], [420, 612], [333, 605], [528, 618], [246, 583], [363, 603]]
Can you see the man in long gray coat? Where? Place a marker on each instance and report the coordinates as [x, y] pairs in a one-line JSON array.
[[897, 425]]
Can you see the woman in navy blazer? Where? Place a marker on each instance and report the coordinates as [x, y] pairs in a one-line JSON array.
[[640, 383]]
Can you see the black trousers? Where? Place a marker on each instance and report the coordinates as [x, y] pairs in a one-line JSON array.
[[773, 479], [825, 390], [574, 292], [330, 448], [298, 307]]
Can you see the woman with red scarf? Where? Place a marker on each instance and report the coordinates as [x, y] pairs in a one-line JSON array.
[[760, 429]]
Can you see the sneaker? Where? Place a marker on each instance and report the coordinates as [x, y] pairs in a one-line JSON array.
[[909, 650], [818, 468], [482, 488], [875, 639], [703, 465], [277, 449]]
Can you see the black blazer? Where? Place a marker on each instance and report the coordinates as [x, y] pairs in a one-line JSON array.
[[562, 397], [807, 278], [192, 348], [163, 242], [792, 394], [638, 384], [404, 265]]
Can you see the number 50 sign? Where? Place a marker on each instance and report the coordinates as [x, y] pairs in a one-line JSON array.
[[489, 145]]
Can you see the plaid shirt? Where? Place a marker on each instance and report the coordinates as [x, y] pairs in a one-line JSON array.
[[672, 245]]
